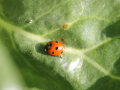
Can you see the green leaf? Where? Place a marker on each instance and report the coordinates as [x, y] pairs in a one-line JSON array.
[[89, 30]]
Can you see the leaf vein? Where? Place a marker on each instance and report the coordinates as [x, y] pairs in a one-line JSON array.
[[47, 13], [70, 50]]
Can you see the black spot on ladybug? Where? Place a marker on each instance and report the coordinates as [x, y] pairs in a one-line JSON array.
[[52, 52], [56, 41], [56, 48], [62, 52]]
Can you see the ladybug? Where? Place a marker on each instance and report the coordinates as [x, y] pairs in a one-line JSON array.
[[55, 48]]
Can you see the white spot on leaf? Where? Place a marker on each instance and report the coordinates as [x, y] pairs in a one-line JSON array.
[[76, 64]]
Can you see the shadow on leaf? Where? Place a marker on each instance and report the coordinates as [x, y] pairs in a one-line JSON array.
[[116, 68], [40, 48], [113, 30], [106, 83], [13, 10]]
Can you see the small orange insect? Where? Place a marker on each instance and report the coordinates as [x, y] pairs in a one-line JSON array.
[[55, 48]]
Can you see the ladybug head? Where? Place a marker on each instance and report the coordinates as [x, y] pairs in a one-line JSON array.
[[47, 46]]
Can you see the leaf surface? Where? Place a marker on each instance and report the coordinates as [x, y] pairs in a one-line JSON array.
[[92, 56]]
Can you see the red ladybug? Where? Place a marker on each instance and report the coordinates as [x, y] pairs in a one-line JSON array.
[[55, 48]]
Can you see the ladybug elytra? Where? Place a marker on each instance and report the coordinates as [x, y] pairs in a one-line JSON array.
[[55, 48]]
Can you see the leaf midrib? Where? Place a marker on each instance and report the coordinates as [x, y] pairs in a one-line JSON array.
[[12, 28]]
